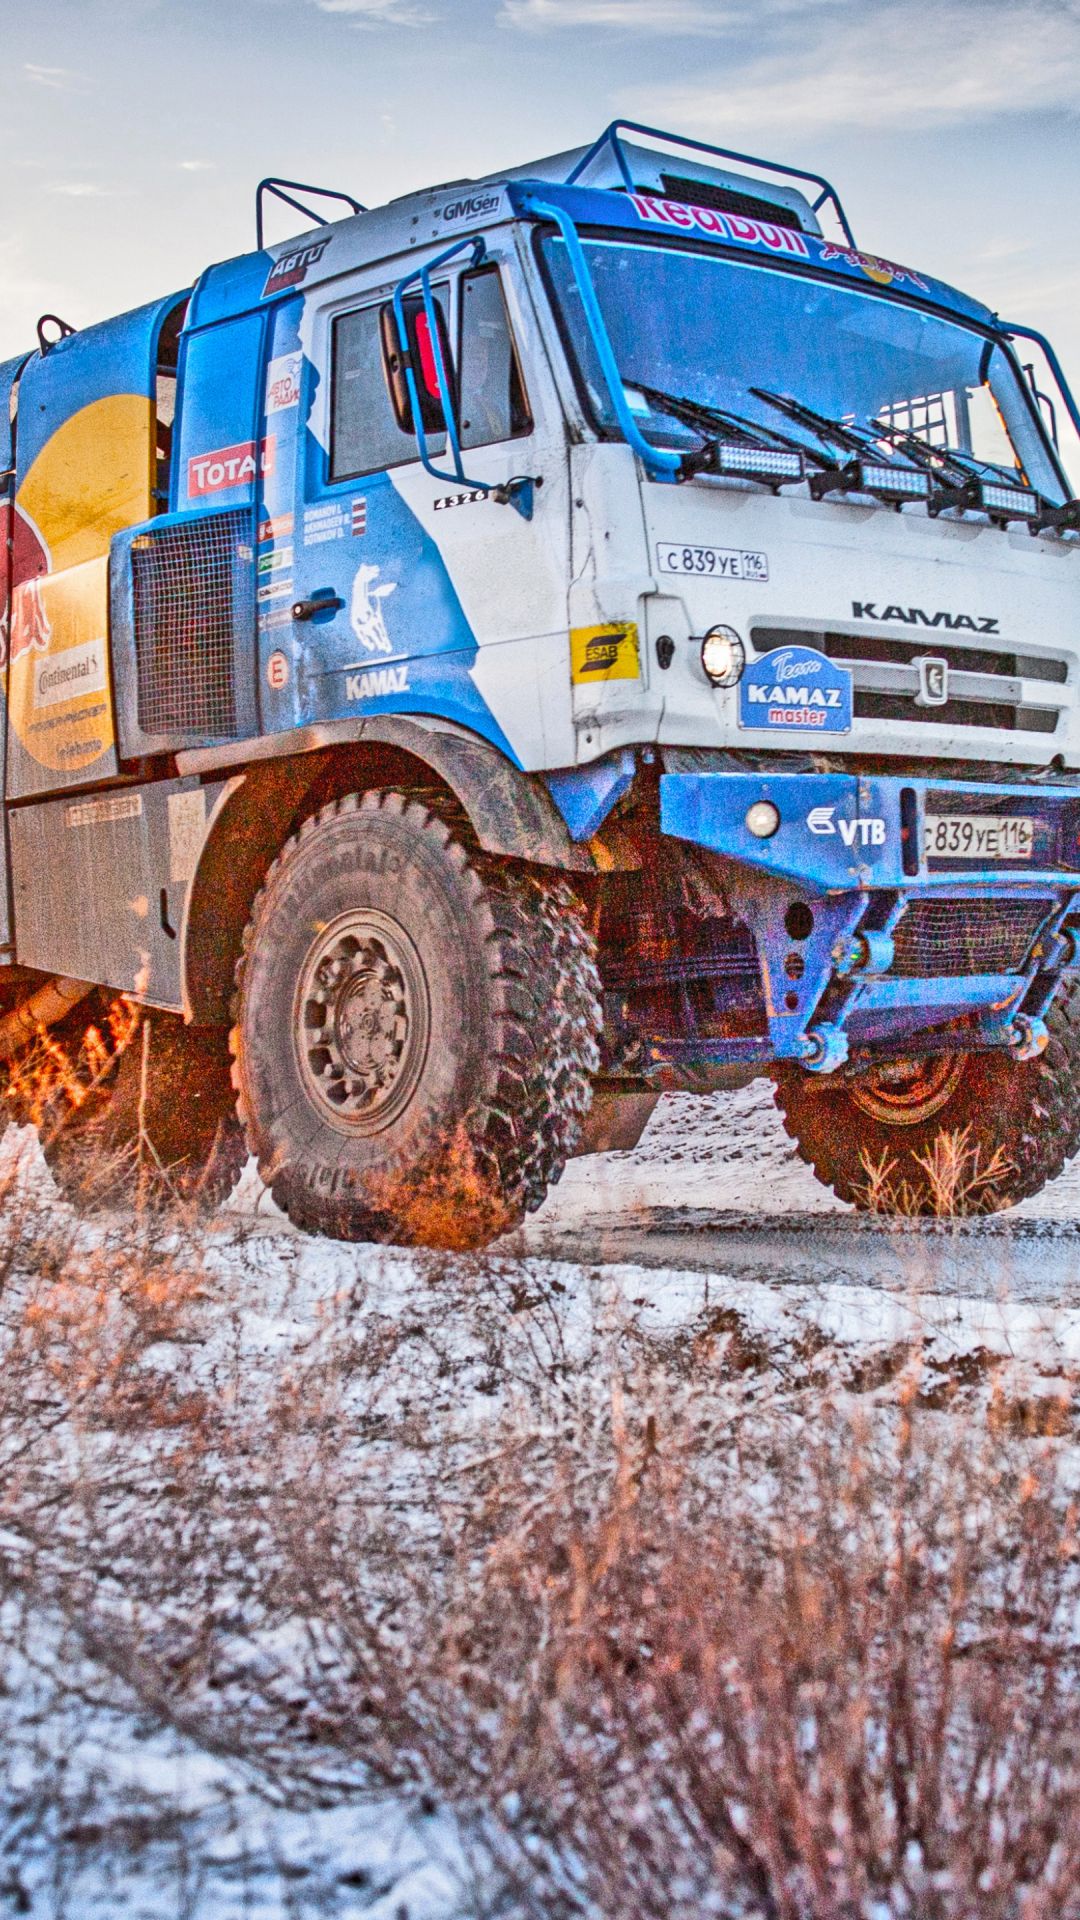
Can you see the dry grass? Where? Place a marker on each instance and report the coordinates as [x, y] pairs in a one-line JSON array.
[[958, 1179], [663, 1629]]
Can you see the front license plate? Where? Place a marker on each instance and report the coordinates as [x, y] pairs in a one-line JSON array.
[[713, 563], [979, 836]]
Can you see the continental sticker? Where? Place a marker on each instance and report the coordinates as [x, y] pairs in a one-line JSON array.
[[609, 652]]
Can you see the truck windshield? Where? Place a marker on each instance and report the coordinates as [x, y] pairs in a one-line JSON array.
[[726, 334]]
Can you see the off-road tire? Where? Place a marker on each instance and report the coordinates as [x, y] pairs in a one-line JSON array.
[[473, 988], [1029, 1111], [153, 1125]]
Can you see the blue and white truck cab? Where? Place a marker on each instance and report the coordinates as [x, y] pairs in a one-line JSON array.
[[548, 640]]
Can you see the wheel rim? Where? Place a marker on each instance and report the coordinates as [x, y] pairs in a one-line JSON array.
[[902, 1092], [362, 1022]]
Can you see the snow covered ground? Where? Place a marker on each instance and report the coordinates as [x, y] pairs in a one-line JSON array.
[[710, 1238]]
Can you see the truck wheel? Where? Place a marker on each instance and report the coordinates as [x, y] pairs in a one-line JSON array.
[[416, 1029], [1027, 1112], [112, 1138]]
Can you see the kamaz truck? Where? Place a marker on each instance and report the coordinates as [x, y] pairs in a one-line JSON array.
[[543, 642]]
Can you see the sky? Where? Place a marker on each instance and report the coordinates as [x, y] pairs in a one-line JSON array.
[[135, 130]]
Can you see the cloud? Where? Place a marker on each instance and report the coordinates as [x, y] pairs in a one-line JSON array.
[[197, 166], [905, 65], [62, 79], [79, 190], [633, 16], [379, 13]]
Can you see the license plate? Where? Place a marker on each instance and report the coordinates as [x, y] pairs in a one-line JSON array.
[[712, 563], [979, 836]]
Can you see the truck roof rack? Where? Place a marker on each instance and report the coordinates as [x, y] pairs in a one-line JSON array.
[[610, 138], [279, 190]]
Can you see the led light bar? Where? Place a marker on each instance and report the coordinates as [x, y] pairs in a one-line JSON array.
[[902, 483], [1013, 503], [758, 463]]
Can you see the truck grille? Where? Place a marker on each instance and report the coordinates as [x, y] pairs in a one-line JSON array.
[[946, 938], [192, 589], [989, 686]]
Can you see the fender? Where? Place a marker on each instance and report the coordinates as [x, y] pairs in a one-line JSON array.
[[281, 778]]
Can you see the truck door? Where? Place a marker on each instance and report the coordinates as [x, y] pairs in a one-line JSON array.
[[386, 589]]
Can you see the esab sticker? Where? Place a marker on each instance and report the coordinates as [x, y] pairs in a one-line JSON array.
[[609, 652], [795, 690]]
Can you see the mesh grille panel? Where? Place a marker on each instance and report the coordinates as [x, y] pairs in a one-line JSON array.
[[192, 586], [937, 938], [699, 193]]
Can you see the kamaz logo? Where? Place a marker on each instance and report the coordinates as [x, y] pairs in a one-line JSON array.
[[868, 833], [918, 617], [377, 683]]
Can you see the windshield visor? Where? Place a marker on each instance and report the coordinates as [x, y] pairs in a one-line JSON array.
[[710, 330]]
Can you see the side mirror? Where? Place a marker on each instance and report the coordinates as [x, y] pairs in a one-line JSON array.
[[417, 351]]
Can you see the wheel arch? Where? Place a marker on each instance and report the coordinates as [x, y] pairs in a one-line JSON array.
[[509, 813]]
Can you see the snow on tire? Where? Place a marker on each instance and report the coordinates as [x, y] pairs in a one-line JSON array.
[[416, 1028]]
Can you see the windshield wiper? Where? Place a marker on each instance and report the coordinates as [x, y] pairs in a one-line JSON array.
[[841, 433], [706, 419]]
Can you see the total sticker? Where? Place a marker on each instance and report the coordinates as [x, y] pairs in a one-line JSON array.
[[277, 671]]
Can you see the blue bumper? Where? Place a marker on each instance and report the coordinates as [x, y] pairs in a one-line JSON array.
[[868, 937]]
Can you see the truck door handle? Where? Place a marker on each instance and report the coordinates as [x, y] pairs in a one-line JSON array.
[[320, 603]]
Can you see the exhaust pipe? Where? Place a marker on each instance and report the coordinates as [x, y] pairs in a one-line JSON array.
[[43, 1009]]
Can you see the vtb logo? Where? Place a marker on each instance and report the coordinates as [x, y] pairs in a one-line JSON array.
[[933, 680]]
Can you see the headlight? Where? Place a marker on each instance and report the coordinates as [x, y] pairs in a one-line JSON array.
[[762, 819], [723, 656]]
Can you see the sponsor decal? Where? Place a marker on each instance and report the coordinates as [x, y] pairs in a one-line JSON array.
[[62, 676], [278, 528], [470, 207], [275, 617], [470, 499], [724, 226], [30, 629], [277, 672], [882, 272], [366, 616], [229, 466], [375, 683], [609, 652], [796, 688], [187, 830], [918, 617], [283, 382], [278, 560], [275, 590], [865, 833], [712, 563], [96, 813], [291, 269]]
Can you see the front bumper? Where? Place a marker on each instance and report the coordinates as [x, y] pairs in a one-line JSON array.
[[867, 941]]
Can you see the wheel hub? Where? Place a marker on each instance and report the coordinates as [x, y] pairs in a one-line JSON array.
[[901, 1093], [362, 1021]]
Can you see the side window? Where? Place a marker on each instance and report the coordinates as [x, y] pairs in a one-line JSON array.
[[493, 406], [364, 434]]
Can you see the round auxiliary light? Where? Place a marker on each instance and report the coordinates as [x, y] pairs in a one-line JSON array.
[[762, 819], [723, 656]]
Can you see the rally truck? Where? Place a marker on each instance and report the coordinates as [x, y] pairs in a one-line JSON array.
[[502, 655]]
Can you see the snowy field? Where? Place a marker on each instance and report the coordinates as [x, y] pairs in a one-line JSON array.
[[146, 1772]]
